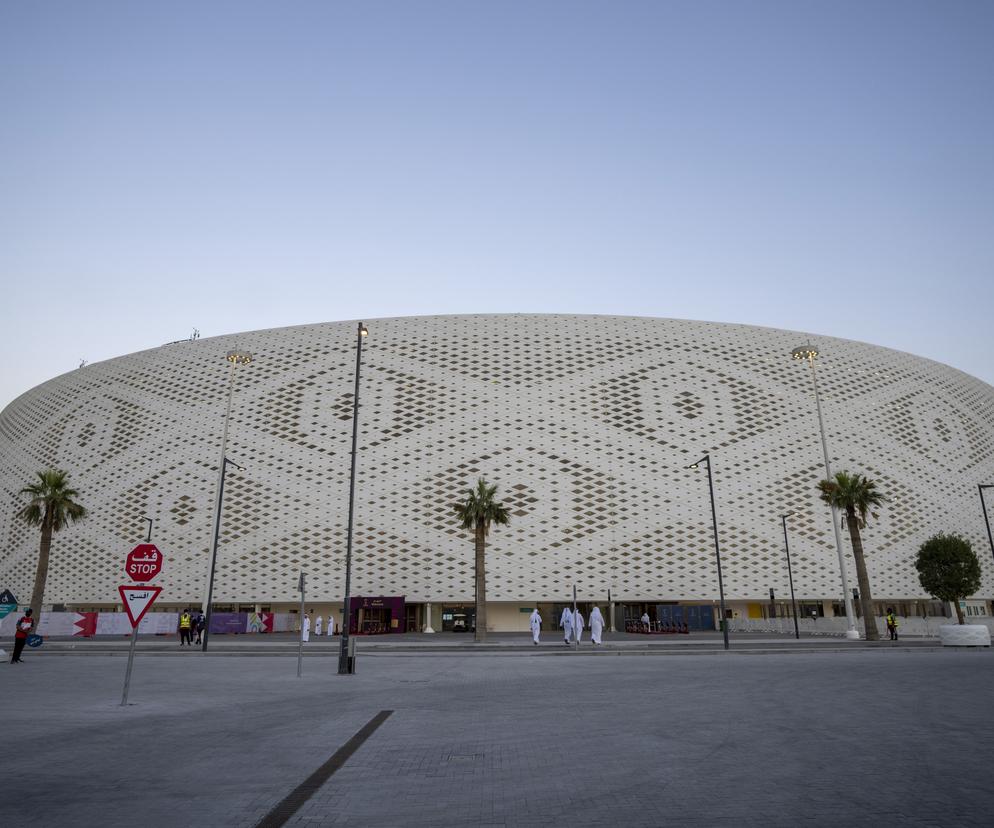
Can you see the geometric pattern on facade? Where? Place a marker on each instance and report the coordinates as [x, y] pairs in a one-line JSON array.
[[586, 423]]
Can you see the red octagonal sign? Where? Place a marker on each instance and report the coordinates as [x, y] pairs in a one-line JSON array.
[[144, 562]]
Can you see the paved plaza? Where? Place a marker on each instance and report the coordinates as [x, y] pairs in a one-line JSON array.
[[871, 736]]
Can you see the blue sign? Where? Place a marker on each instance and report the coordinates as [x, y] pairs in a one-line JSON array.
[[34, 640], [8, 603]]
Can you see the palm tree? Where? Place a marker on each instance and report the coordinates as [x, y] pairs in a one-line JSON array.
[[856, 496], [51, 507], [477, 512]]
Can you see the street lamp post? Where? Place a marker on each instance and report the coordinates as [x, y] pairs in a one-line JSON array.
[[235, 358], [345, 666], [717, 551], [987, 520], [225, 462], [790, 576], [808, 352]]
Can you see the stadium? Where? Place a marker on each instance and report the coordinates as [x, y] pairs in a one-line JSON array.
[[587, 424]]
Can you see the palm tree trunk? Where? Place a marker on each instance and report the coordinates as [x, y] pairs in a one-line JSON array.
[[959, 612], [41, 574], [481, 585], [865, 598]]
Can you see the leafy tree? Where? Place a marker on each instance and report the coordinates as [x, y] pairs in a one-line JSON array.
[[477, 512], [855, 497], [948, 569], [52, 507]]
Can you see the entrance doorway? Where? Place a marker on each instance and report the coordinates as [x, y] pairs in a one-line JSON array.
[[374, 620], [458, 618], [695, 617], [412, 617]]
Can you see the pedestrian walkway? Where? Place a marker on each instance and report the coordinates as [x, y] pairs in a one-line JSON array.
[[459, 644]]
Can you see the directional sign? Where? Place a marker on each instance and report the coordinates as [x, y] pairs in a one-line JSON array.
[[144, 562], [137, 600], [8, 603]]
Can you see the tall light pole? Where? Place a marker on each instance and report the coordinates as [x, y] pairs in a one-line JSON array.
[[234, 358], [717, 551], [345, 666], [809, 353], [987, 520], [790, 575], [225, 462]]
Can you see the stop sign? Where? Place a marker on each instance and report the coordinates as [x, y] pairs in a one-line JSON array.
[[144, 562]]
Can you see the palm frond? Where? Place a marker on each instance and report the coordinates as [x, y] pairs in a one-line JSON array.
[[852, 494], [480, 508], [52, 501]]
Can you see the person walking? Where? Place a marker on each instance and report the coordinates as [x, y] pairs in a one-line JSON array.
[[317, 625], [185, 628], [199, 623], [892, 623], [578, 625], [306, 630], [645, 621], [535, 623], [566, 622], [596, 625], [21, 631]]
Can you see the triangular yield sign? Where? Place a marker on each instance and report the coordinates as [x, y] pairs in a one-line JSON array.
[[137, 600]]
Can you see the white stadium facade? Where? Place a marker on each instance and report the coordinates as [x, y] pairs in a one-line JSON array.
[[587, 424]]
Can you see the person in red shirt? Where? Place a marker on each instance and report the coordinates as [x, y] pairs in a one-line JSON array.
[[24, 625]]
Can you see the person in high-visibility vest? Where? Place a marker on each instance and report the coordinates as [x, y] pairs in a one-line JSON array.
[[892, 624], [185, 625]]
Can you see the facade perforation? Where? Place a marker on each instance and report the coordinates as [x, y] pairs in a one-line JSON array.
[[587, 425]]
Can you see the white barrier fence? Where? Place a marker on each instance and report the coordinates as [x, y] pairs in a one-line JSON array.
[[916, 626]]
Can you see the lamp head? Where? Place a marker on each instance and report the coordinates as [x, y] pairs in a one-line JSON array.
[[808, 352], [239, 357], [363, 330]]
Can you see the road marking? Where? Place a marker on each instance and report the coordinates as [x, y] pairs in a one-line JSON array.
[[286, 808]]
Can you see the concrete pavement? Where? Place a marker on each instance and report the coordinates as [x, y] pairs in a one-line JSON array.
[[870, 736]]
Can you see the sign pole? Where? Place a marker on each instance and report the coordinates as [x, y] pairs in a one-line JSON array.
[[131, 661], [300, 644], [148, 564], [134, 641]]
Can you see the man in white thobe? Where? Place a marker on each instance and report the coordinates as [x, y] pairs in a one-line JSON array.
[[566, 622], [331, 625], [317, 625], [596, 625], [577, 625], [535, 623], [306, 629]]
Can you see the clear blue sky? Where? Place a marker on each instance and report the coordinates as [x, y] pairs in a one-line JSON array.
[[821, 166]]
